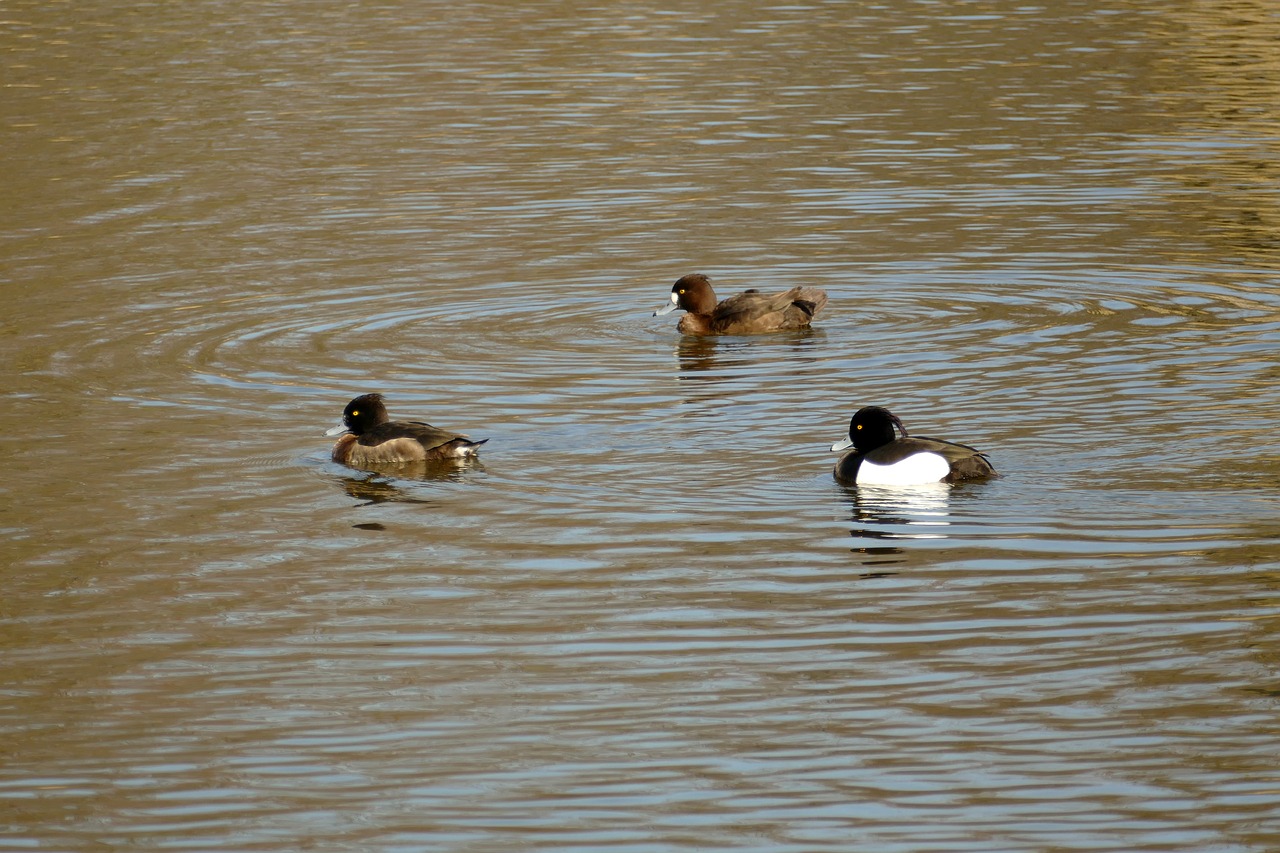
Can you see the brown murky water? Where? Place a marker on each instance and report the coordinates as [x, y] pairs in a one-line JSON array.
[[648, 620]]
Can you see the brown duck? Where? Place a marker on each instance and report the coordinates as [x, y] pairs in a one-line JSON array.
[[748, 313], [372, 438]]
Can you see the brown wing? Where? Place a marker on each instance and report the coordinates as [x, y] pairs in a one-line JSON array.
[[758, 312], [423, 433]]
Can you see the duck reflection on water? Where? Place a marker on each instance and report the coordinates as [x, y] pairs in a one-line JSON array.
[[713, 359], [884, 514], [394, 483]]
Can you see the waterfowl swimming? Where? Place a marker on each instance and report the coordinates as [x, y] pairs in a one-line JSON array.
[[879, 458], [747, 313], [372, 438]]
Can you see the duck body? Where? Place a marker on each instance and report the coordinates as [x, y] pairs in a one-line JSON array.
[[748, 313], [372, 438], [880, 458]]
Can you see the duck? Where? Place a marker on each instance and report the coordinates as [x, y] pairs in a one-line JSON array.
[[879, 458], [372, 438], [748, 313]]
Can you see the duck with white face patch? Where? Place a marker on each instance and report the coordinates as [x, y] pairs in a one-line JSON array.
[[748, 313]]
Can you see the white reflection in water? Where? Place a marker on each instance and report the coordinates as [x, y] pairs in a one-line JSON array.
[[899, 515], [901, 512]]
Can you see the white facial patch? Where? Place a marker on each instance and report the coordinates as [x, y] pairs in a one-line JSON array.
[[675, 298], [915, 470]]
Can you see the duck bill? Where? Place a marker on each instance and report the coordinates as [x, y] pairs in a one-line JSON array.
[[336, 430], [842, 444], [669, 307]]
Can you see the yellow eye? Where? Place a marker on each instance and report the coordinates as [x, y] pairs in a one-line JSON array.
[[355, 412], [859, 426], [680, 291]]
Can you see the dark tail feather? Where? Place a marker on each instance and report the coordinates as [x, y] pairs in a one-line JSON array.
[[811, 300], [975, 467], [462, 448]]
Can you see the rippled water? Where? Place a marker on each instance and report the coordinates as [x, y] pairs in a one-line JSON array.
[[648, 619]]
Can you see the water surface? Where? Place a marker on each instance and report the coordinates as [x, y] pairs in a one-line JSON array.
[[648, 619]]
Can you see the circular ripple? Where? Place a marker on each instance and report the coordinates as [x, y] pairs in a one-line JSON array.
[[1064, 369]]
